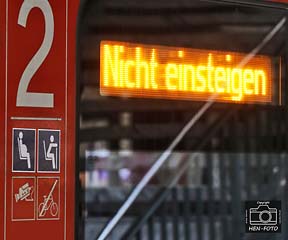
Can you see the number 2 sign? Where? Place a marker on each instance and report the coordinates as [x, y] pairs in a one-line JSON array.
[[37, 116], [38, 71], [25, 98]]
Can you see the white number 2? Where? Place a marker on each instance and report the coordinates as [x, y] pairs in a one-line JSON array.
[[33, 99]]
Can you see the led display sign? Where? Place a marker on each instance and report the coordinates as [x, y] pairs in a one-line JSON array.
[[137, 70]]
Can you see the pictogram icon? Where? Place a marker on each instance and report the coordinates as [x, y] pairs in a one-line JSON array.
[[48, 198], [23, 198], [23, 150], [49, 151]]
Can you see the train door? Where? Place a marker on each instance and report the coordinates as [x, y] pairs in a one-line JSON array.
[[183, 119]]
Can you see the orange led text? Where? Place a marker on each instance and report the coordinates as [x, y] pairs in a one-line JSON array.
[[165, 72]]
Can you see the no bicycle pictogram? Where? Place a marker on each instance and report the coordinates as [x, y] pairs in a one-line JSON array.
[[48, 198]]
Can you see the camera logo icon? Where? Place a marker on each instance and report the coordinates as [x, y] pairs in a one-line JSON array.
[[263, 215]]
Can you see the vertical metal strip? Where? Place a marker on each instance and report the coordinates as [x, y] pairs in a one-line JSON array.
[[223, 188], [260, 142], [175, 213], [187, 212], [247, 149], [163, 220], [272, 119], [139, 235], [252, 158], [210, 199], [199, 214], [228, 168], [151, 228], [256, 161], [236, 185]]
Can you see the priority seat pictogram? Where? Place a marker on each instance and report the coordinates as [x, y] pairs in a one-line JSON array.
[[23, 150], [49, 151]]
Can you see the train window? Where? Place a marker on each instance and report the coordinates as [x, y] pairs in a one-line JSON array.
[[183, 119], [165, 72]]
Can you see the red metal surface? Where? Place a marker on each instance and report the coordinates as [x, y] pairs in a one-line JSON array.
[[38, 204], [2, 116]]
